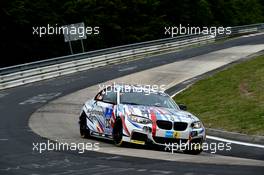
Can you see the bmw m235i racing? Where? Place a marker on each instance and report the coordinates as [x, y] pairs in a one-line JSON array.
[[130, 113]]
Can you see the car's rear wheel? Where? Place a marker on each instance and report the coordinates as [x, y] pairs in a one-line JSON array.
[[84, 130], [118, 133]]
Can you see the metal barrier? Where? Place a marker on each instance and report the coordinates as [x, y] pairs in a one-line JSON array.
[[41, 70]]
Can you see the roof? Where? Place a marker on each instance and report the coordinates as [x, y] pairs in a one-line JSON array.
[[137, 88]]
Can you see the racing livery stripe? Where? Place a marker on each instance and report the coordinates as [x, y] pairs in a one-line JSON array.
[[113, 118], [99, 129], [134, 124], [158, 114], [100, 126], [161, 113], [154, 124], [124, 125]]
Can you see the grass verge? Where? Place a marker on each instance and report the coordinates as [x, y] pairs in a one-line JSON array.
[[231, 100]]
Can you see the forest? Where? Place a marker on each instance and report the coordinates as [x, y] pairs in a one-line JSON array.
[[121, 22]]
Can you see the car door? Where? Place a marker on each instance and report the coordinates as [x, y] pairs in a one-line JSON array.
[[104, 106]]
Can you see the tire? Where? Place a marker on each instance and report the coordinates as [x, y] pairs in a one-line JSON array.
[[118, 133], [84, 130], [194, 149]]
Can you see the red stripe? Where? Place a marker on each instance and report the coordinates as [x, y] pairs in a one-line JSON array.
[[99, 129], [154, 124], [113, 115], [124, 125], [160, 111], [112, 120]]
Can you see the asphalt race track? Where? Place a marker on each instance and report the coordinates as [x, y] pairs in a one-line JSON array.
[[16, 137]]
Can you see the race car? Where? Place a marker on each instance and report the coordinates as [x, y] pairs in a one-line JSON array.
[[130, 113]]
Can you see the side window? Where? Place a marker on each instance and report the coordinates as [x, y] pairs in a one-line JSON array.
[[110, 97], [99, 96], [107, 95]]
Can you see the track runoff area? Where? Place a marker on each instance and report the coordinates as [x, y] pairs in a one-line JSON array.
[[61, 126]]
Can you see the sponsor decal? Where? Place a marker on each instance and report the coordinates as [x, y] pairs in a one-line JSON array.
[[176, 135], [138, 142], [169, 134]]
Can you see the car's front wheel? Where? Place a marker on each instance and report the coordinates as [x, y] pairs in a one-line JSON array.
[[118, 133], [84, 130]]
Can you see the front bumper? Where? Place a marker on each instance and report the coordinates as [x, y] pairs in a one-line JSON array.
[[146, 135], [162, 132]]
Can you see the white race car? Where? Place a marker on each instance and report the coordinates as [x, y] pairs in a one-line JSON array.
[[130, 113]]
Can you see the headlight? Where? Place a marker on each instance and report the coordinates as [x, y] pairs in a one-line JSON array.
[[138, 119], [197, 125]]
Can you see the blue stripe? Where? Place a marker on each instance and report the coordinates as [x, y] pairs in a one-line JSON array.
[[136, 125]]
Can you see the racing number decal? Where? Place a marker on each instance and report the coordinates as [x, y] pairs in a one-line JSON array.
[[176, 135], [108, 116], [107, 123]]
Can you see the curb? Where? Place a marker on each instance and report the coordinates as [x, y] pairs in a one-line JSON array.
[[235, 136]]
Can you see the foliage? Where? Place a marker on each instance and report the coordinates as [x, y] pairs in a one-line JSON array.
[[120, 21]]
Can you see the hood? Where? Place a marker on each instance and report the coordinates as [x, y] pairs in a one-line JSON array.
[[160, 113]]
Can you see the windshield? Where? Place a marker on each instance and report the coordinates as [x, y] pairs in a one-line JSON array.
[[146, 99]]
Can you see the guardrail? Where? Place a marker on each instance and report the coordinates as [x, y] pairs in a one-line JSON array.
[[41, 70]]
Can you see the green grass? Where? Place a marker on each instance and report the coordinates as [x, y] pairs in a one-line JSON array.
[[231, 100]]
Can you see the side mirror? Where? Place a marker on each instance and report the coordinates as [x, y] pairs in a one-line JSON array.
[[183, 107]]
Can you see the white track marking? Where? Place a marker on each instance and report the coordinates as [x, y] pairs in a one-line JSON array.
[[235, 142], [41, 98], [245, 36], [180, 91], [127, 68], [3, 139], [3, 94], [222, 139]]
